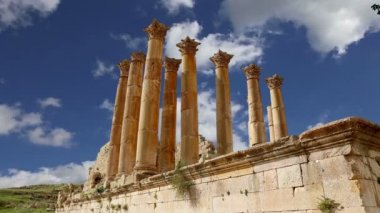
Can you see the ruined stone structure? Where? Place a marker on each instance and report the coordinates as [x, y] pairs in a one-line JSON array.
[[136, 171]]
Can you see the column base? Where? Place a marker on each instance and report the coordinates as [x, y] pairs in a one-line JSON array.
[[142, 171]]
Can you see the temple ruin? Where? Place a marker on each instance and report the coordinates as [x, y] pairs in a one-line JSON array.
[[134, 171]]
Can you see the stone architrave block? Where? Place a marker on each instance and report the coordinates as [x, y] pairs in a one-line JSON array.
[[270, 180]]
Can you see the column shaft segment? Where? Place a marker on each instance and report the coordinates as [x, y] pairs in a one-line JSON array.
[[147, 137], [256, 127], [168, 119], [114, 144], [277, 107], [131, 115], [270, 123], [189, 102], [223, 103]]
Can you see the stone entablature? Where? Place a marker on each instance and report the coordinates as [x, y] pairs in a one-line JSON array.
[[338, 160]]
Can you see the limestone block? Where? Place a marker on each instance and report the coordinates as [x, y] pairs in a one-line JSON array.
[[360, 167], [377, 192], [311, 173], [258, 182], [289, 176], [307, 197], [348, 192], [270, 180], [235, 203], [277, 200], [335, 168], [332, 152], [278, 163], [374, 166]]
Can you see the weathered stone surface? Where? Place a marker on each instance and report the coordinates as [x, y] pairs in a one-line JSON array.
[[270, 180], [289, 176]]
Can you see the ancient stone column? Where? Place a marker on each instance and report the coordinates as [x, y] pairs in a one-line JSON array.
[[131, 115], [223, 103], [277, 107], [147, 137], [168, 119], [114, 144], [256, 127], [189, 102], [270, 123]]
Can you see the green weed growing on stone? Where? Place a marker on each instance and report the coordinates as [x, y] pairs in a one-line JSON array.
[[179, 181], [327, 205]]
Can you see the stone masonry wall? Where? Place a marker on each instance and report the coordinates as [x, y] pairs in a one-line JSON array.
[[339, 161]]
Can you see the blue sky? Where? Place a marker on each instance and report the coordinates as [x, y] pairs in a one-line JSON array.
[[58, 76]]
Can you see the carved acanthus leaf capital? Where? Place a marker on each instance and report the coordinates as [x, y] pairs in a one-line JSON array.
[[188, 46], [275, 82], [156, 30], [124, 68], [221, 59], [137, 57], [172, 64], [252, 71]]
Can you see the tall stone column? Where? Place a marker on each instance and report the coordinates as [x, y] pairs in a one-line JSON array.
[[270, 123], [114, 144], [277, 107], [256, 127], [147, 137], [131, 115], [223, 103], [189, 102], [168, 119]]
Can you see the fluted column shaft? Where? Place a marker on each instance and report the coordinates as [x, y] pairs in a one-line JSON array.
[[168, 119], [189, 102], [277, 107], [116, 129], [223, 103], [131, 115], [147, 137], [256, 126]]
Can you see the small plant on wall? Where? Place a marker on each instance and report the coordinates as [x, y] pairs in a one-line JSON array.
[[179, 181], [327, 205]]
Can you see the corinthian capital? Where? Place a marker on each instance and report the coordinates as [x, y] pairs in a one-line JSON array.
[[156, 30], [252, 71], [124, 68], [171, 64], [221, 59], [188, 46], [138, 57], [275, 82]]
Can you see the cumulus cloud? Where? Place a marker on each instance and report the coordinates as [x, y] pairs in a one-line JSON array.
[[69, 173], [103, 69], [331, 26], [244, 48], [15, 13], [14, 120], [49, 102], [57, 137], [106, 104], [173, 6], [133, 43]]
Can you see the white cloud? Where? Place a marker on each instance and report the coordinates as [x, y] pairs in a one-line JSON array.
[[106, 104], [173, 6], [15, 13], [2, 81], [13, 119], [103, 69], [321, 121], [69, 173], [244, 48], [133, 43], [57, 137], [49, 102], [330, 25]]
